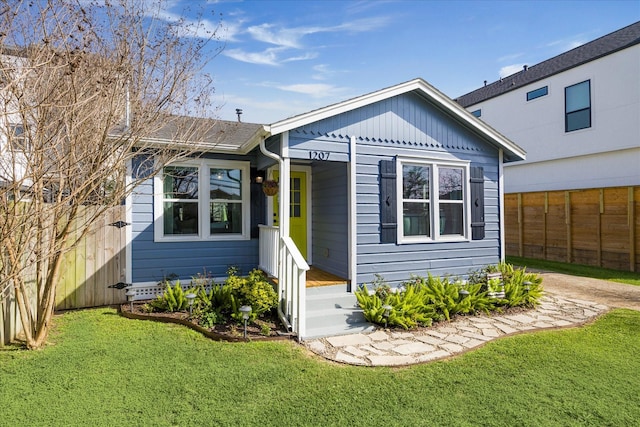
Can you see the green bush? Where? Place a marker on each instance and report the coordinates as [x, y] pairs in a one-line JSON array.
[[255, 290], [420, 300], [408, 309], [173, 298], [517, 294]]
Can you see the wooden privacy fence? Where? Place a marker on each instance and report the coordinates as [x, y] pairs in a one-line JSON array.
[[97, 262], [598, 227], [87, 271]]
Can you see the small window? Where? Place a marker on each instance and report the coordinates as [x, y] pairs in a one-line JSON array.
[[577, 100], [537, 93], [180, 200], [477, 113]]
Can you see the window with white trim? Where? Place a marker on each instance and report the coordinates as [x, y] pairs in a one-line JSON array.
[[433, 201], [203, 200]]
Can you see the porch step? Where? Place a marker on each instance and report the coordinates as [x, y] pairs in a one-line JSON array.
[[331, 310]]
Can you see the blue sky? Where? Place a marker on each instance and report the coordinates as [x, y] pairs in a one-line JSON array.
[[282, 58]]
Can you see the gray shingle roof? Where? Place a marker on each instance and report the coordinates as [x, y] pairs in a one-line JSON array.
[[208, 134], [605, 45]]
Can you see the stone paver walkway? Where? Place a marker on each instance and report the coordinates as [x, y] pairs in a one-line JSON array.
[[446, 339]]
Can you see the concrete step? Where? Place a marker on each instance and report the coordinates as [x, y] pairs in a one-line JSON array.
[[331, 310]]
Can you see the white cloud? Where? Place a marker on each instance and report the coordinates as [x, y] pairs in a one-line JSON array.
[[291, 38], [510, 69], [316, 90], [266, 57], [508, 58], [564, 45]]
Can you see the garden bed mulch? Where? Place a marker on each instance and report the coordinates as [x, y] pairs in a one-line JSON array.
[[230, 331]]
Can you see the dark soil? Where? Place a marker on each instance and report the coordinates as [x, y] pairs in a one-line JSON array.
[[264, 328]]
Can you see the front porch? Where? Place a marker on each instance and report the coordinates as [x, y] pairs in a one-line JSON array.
[[312, 302]]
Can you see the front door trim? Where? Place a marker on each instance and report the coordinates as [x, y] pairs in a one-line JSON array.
[[307, 171]]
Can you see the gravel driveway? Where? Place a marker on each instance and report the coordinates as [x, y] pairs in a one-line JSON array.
[[612, 294]]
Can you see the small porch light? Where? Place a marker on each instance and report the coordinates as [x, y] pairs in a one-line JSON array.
[[130, 296], [246, 311], [387, 311], [190, 298], [259, 179]]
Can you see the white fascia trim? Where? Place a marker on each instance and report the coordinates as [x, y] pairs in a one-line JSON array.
[[353, 217]]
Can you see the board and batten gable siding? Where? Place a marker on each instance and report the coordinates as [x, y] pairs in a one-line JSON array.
[[405, 126], [151, 261]]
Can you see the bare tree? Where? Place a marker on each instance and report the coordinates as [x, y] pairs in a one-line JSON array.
[[86, 89]]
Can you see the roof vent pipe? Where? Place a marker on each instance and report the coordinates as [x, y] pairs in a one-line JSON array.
[[239, 113], [485, 82], [524, 68]]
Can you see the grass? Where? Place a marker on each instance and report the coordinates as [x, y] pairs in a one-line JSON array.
[[619, 276], [103, 369]]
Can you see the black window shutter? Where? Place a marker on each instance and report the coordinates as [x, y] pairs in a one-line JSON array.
[[388, 211], [258, 205], [477, 203]]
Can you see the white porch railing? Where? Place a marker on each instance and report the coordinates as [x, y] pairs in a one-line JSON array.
[[280, 255], [269, 249]]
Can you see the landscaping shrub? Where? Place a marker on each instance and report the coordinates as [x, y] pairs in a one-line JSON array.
[[420, 300], [408, 308], [222, 301], [255, 290], [173, 298]]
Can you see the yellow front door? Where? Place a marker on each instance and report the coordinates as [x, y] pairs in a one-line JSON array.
[[297, 210]]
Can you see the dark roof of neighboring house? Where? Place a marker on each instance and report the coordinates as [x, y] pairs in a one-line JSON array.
[[603, 46]]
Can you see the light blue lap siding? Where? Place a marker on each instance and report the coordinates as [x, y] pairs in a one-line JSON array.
[[152, 260], [408, 126], [330, 218]]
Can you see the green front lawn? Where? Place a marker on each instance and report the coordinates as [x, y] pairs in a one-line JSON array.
[[103, 369], [619, 276]]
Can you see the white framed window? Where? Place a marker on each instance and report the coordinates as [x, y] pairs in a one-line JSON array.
[[202, 199], [433, 200]]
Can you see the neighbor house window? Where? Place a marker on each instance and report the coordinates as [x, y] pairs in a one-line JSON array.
[[537, 93], [477, 113], [577, 100], [18, 137], [433, 203], [205, 200]]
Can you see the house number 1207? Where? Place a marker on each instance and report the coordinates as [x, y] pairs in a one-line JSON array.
[[319, 155]]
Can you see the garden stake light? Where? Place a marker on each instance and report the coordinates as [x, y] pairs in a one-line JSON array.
[[130, 294], [527, 286], [245, 310], [190, 297], [387, 312]]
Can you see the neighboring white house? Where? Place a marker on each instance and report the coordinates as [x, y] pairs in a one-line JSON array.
[[576, 198], [577, 115]]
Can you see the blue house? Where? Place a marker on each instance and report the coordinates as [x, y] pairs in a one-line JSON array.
[[396, 182]]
